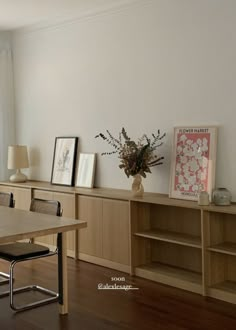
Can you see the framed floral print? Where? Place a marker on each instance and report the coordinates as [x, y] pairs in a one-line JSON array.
[[64, 157], [193, 161]]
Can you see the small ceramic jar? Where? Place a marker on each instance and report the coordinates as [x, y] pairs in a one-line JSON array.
[[221, 196], [203, 198]]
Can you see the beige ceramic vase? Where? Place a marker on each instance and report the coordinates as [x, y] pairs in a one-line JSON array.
[[137, 187]]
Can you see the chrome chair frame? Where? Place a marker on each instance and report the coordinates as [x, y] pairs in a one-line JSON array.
[[53, 296]]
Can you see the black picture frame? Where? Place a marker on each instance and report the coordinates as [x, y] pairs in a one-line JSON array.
[[64, 159]]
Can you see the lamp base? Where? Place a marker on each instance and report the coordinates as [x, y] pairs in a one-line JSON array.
[[18, 177]]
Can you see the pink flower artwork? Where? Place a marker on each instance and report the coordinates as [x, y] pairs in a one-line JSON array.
[[191, 165]]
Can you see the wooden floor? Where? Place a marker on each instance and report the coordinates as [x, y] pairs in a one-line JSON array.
[[152, 306]]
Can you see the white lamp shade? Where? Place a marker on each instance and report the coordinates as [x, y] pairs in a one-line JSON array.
[[17, 157]]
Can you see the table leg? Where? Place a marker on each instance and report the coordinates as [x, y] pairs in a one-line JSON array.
[[76, 244], [62, 273]]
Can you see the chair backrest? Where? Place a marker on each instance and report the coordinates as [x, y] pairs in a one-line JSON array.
[[46, 206], [6, 199]]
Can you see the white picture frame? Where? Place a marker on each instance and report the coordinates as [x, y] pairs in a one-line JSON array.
[[86, 170]]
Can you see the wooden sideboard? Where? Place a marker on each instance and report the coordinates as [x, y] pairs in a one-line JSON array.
[[175, 242]]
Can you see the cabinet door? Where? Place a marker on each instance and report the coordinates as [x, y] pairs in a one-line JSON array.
[[68, 206], [22, 196], [116, 231], [90, 238]]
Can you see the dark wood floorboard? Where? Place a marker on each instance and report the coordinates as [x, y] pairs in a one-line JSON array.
[[153, 306]]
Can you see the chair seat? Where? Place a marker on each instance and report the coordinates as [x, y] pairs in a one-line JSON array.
[[20, 250]]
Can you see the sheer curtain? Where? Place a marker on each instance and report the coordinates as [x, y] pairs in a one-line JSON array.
[[7, 120]]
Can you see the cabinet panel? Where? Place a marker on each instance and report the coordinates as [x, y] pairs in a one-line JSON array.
[[22, 196], [107, 235], [116, 231], [90, 238]]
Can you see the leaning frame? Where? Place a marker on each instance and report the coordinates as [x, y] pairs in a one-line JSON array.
[[193, 161]]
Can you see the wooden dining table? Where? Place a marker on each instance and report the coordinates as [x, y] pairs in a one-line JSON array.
[[18, 224]]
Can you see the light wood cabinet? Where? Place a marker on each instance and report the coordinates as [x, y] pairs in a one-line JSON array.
[[181, 244], [175, 242], [106, 240]]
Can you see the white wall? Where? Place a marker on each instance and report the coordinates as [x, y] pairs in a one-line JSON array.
[[156, 65], [7, 121], [5, 39]]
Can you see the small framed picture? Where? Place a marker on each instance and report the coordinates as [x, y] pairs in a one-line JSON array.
[[193, 161], [64, 158], [86, 170]]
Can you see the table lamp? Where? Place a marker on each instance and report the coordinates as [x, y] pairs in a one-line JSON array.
[[17, 159]]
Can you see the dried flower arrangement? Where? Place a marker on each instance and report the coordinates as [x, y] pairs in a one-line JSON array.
[[135, 158]]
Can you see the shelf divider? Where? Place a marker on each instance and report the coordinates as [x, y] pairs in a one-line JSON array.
[[171, 237], [225, 248]]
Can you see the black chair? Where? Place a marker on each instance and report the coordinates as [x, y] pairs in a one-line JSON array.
[[20, 251], [6, 199]]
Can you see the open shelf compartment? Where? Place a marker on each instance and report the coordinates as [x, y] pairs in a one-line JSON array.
[[178, 225], [222, 279], [171, 237], [170, 264], [222, 233], [171, 275]]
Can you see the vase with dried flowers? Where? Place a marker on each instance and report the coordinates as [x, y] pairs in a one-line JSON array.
[[136, 158]]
